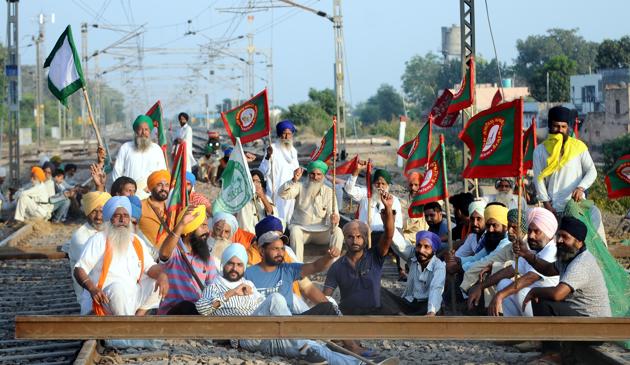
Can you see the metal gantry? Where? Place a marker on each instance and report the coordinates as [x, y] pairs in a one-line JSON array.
[[12, 72], [467, 30]]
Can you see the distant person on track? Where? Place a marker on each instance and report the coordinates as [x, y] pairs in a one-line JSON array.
[[137, 159], [7, 203], [314, 220], [209, 162], [280, 161], [118, 275], [258, 208], [33, 203], [185, 134], [154, 207]]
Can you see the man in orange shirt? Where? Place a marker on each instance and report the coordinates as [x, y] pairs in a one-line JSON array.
[[155, 206]]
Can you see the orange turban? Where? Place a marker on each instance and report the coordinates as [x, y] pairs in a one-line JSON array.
[[38, 173], [156, 177], [414, 177]]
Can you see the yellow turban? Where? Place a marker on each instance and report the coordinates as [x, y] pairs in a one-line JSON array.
[[38, 173], [201, 210], [156, 177], [497, 212], [93, 200]]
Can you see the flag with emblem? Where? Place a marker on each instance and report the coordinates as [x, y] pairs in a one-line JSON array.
[[529, 144], [327, 145], [495, 139], [417, 150], [464, 96], [155, 113], [248, 121], [433, 186], [237, 187], [65, 75], [618, 178], [177, 198], [439, 113]]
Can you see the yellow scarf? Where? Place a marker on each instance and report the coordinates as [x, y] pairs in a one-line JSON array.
[[553, 144]]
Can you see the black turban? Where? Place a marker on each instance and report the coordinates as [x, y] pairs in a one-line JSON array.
[[574, 227]]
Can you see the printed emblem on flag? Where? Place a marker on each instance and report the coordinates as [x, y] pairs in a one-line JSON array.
[[492, 136], [430, 178], [623, 172], [440, 107], [246, 117]]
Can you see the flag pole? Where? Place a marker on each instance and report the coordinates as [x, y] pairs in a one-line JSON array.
[[273, 185], [448, 217], [519, 214], [91, 117], [368, 205], [334, 166]]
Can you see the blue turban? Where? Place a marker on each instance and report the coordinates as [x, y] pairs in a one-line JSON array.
[[234, 249], [435, 240], [285, 124], [114, 203], [228, 218], [268, 224], [190, 177], [136, 207]]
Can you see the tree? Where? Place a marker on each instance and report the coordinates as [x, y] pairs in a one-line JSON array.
[[326, 99], [614, 53], [386, 104], [309, 114], [560, 68]]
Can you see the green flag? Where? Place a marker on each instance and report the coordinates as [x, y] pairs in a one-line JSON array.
[[249, 121], [529, 144], [495, 139], [327, 145], [237, 187], [156, 116], [178, 198], [434, 184], [465, 95], [65, 75], [418, 149], [618, 178]]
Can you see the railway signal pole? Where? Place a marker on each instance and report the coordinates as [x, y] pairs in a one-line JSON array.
[[12, 72]]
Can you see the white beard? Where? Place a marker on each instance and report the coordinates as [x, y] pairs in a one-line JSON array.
[[217, 246], [142, 144], [313, 188], [119, 238], [376, 195], [504, 198], [286, 144]]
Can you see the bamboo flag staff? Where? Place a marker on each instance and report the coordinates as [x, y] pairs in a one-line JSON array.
[[368, 181], [334, 171]]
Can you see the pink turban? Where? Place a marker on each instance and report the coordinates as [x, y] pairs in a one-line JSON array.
[[544, 220]]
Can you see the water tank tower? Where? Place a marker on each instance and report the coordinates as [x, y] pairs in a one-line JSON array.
[[451, 42]]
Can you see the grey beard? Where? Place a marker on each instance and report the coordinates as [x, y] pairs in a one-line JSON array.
[[286, 143], [98, 227], [313, 188], [119, 237], [142, 144], [504, 198], [217, 246]]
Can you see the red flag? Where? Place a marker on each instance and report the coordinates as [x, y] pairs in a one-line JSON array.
[[439, 110], [347, 167], [496, 99], [368, 179], [529, 144], [576, 132], [465, 95]]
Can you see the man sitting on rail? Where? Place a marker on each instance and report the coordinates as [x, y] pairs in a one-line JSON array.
[[259, 207], [154, 207], [92, 204], [118, 275], [186, 258], [139, 158], [314, 219], [477, 225], [32, 203], [358, 273], [224, 227], [508, 300], [460, 203]]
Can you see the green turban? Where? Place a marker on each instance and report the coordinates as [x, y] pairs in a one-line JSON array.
[[320, 165], [512, 217], [142, 119], [382, 173]]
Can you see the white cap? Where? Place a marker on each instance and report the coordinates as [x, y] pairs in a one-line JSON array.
[[3, 172]]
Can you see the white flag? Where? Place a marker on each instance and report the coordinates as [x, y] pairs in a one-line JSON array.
[[65, 75], [237, 187]]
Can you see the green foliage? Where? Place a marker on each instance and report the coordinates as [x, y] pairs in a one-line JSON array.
[[386, 105], [454, 160], [326, 100], [614, 149], [614, 53], [598, 193], [309, 114], [560, 68]]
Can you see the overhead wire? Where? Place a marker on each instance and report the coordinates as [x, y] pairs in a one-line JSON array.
[[496, 57]]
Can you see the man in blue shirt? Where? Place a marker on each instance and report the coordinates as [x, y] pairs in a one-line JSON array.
[[437, 221]]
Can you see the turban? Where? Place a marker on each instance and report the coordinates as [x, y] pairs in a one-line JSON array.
[[497, 212], [208, 149], [228, 218], [93, 200], [513, 218], [382, 173], [499, 181], [190, 177], [142, 119], [39, 174], [477, 206], [114, 203], [285, 124], [3, 172], [136, 207], [574, 227], [560, 114], [195, 223], [156, 177], [234, 249], [414, 177], [228, 151], [317, 164], [433, 238], [267, 224], [544, 220], [198, 199]]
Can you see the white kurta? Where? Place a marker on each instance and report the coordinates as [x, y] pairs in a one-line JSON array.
[[138, 165], [558, 187], [77, 243], [513, 201], [284, 164], [185, 133], [252, 213], [33, 203], [359, 195]]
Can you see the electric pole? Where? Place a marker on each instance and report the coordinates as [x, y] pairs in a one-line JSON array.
[[467, 32], [84, 64], [12, 72], [250, 64], [339, 78]]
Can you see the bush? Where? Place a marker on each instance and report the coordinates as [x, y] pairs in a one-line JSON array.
[[599, 195], [614, 149]]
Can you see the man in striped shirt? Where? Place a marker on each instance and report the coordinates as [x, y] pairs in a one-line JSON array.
[[187, 260]]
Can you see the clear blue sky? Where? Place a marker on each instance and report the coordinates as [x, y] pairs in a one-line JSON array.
[[380, 37]]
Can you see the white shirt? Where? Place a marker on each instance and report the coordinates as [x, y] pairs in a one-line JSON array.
[[359, 194], [185, 133], [470, 246], [548, 253], [558, 187], [77, 242], [513, 204], [284, 163], [138, 165]]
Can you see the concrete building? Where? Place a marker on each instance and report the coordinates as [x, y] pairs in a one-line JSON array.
[[586, 93], [485, 92], [613, 121]]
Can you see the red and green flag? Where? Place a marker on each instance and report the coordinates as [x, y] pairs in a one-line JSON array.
[[618, 178], [347, 167], [529, 144], [440, 114], [496, 99], [576, 129], [327, 146], [178, 198], [464, 96], [368, 179], [156, 116], [495, 139], [417, 150], [433, 186], [248, 121]]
